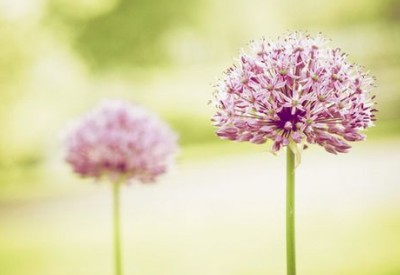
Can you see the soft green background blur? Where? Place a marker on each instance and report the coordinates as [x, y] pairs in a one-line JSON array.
[[220, 211]]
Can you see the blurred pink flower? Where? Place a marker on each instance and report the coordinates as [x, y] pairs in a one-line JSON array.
[[119, 140], [292, 91]]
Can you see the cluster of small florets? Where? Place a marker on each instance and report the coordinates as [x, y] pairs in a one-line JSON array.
[[294, 90], [120, 141]]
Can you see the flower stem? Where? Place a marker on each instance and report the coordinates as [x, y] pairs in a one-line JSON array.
[[290, 213], [117, 237]]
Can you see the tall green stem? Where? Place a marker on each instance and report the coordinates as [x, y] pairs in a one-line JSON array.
[[290, 213], [117, 237]]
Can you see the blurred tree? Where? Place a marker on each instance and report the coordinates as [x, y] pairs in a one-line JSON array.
[[14, 59], [128, 34], [392, 10]]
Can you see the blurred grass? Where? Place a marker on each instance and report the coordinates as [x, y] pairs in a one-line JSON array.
[[217, 216], [220, 211]]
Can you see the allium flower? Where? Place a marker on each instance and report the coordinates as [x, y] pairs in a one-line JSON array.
[[292, 91], [120, 141]]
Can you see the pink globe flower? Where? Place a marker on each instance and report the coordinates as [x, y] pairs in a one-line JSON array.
[[120, 141], [292, 91]]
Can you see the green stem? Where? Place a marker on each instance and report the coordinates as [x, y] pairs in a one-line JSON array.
[[290, 213], [117, 237]]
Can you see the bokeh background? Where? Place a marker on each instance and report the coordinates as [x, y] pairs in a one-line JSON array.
[[220, 211]]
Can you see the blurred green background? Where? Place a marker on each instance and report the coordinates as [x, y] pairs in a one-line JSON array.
[[220, 211]]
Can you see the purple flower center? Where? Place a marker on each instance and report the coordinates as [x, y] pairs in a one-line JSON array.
[[285, 116]]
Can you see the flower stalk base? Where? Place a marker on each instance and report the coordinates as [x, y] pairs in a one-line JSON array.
[[290, 213], [117, 236]]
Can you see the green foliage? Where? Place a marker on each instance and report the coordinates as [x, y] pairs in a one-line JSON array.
[[192, 129], [131, 34]]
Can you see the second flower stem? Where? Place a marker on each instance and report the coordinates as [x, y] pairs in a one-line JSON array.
[[117, 237], [290, 213]]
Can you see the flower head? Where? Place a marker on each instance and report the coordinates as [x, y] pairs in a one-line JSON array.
[[292, 91], [118, 140]]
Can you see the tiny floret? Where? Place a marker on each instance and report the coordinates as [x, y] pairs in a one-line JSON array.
[[297, 91], [120, 141]]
